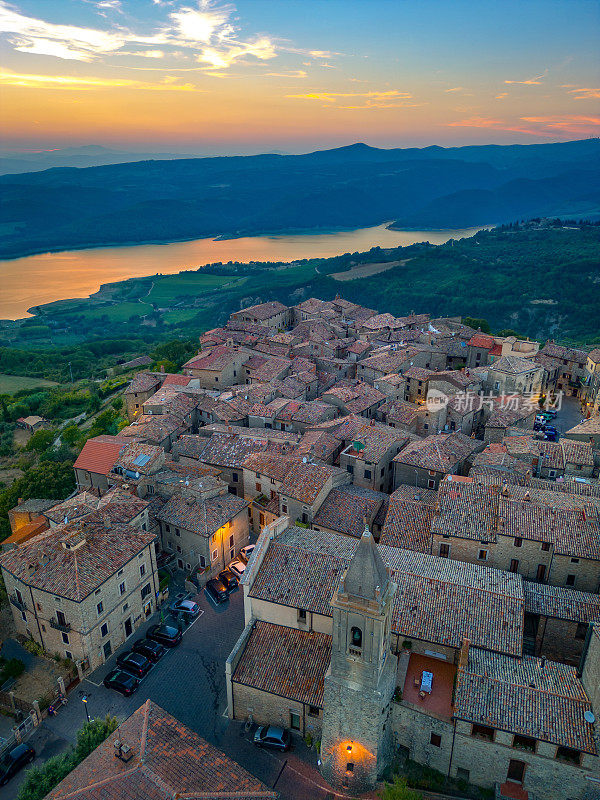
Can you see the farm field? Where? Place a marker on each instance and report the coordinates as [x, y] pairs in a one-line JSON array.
[[9, 384]]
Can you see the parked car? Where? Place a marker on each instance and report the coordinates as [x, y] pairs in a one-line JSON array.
[[238, 568], [14, 761], [185, 607], [550, 413], [246, 552], [122, 682], [135, 663], [229, 580], [551, 437], [272, 736], [164, 634], [216, 591], [152, 650]]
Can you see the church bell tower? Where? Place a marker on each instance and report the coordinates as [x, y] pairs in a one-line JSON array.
[[357, 742]]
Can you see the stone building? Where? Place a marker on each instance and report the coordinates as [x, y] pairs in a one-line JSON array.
[[357, 738], [81, 589]]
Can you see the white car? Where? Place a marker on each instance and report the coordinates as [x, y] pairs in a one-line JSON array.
[[238, 568], [246, 552]]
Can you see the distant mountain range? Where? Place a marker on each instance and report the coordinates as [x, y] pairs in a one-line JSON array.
[[347, 187]]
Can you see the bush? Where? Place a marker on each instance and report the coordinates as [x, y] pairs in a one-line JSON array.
[[398, 790], [33, 647], [40, 441], [10, 669]]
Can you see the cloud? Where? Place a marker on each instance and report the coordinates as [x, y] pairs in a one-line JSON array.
[[536, 126], [530, 81], [294, 73], [207, 33], [584, 93], [501, 96], [387, 99], [70, 82], [30, 35], [455, 89]]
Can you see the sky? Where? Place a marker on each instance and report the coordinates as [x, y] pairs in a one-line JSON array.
[[251, 76]]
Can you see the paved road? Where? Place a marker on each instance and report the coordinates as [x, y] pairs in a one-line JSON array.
[[569, 414], [188, 682]]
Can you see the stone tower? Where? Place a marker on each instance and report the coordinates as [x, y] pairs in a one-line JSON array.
[[357, 741]]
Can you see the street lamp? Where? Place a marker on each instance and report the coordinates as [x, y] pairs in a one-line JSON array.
[[84, 700]]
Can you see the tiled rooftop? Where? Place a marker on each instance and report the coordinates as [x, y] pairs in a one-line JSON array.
[[344, 509], [203, 517], [526, 696]]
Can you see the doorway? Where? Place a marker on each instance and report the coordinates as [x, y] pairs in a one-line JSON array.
[[128, 627]]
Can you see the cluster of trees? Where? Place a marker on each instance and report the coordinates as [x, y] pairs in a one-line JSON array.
[[40, 781]]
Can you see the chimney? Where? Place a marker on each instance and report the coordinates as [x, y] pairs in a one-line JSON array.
[[106, 522], [463, 656], [162, 367]]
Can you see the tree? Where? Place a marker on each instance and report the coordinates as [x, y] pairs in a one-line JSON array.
[[474, 322], [71, 435], [39, 781], [40, 441]]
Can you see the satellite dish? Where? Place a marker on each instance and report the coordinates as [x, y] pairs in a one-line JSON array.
[[589, 717]]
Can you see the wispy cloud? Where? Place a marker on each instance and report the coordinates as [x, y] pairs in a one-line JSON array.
[[583, 93], [80, 83], [536, 126], [391, 98], [529, 81], [501, 96], [455, 89]]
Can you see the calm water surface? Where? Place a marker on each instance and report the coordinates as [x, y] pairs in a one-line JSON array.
[[30, 281]]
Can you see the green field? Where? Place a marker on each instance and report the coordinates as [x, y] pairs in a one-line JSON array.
[[165, 290], [120, 312], [9, 384]]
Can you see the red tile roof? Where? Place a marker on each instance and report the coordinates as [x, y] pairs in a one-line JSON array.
[[481, 340], [99, 454]]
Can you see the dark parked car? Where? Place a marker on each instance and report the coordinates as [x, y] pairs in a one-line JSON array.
[[14, 761], [135, 663], [216, 591], [152, 650], [164, 634], [229, 580], [272, 736], [122, 682]]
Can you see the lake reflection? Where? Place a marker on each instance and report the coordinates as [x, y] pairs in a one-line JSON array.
[[37, 279]]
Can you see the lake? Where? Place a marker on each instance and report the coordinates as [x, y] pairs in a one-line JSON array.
[[46, 277]]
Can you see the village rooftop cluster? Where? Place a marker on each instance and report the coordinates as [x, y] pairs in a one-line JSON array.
[[425, 572]]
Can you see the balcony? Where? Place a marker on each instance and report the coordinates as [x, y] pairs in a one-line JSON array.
[[17, 603], [60, 627]]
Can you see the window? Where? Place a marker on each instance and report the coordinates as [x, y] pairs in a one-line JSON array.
[[97, 592], [177, 532], [518, 541], [313, 711], [301, 615], [483, 732], [546, 546], [65, 638], [261, 518], [122, 588], [119, 573], [355, 641], [516, 771], [202, 561], [125, 607], [231, 541], [568, 755], [570, 580], [435, 739], [104, 630], [214, 555], [284, 508], [483, 554], [574, 561], [294, 721], [100, 608], [444, 551], [235, 477], [168, 528], [431, 484], [524, 743], [68, 655], [146, 591], [514, 565], [581, 631], [257, 486], [178, 549], [142, 570]]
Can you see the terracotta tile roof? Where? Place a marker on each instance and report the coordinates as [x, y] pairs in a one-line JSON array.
[[302, 481], [216, 359], [442, 452], [589, 427], [438, 599], [544, 700], [169, 760], [203, 517], [482, 340], [144, 382], [262, 311], [177, 380], [154, 428], [76, 573], [408, 520], [286, 662], [553, 350], [514, 365], [140, 457], [399, 412], [575, 452], [344, 510], [466, 510], [220, 449], [99, 454], [561, 603]]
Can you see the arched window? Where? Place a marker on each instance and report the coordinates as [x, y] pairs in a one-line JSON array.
[[356, 638]]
